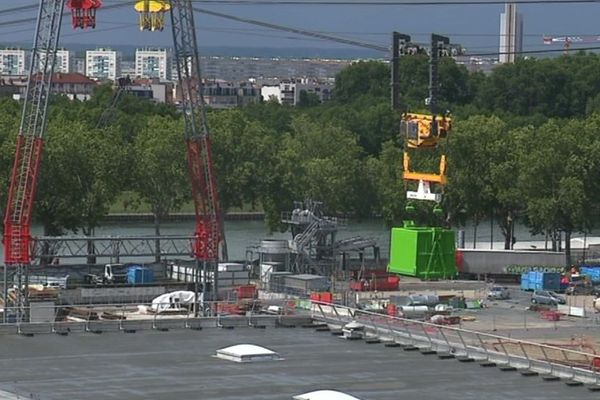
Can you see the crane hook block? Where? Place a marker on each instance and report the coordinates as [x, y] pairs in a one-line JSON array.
[[152, 14], [84, 12], [423, 130]]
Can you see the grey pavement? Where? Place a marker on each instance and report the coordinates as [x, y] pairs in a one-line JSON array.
[[179, 364]]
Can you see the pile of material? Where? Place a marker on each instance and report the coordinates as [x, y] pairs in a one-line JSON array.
[[78, 314]]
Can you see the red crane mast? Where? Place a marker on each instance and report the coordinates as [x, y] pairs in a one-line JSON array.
[[29, 146], [210, 240]]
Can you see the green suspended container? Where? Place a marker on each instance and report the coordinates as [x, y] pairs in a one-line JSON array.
[[423, 252]]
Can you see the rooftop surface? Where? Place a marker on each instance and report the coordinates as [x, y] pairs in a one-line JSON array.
[[180, 364]]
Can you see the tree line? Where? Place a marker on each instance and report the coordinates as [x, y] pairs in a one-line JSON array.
[[523, 148]]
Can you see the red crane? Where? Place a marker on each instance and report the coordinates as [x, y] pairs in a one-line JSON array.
[[568, 41], [209, 244], [210, 239], [28, 152]]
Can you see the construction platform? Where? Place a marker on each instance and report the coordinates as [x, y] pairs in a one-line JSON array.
[[181, 364]]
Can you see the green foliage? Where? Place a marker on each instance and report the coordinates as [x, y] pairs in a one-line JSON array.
[[241, 149], [385, 172], [158, 165], [308, 99], [364, 78]]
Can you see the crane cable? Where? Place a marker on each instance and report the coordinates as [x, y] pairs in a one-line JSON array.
[[320, 35]]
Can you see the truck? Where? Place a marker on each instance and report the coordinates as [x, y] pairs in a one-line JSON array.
[[113, 274]]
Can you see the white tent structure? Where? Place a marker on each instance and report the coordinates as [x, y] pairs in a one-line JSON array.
[[174, 301], [325, 395]]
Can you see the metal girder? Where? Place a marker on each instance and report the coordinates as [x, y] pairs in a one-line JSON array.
[[47, 247], [17, 221], [210, 238]]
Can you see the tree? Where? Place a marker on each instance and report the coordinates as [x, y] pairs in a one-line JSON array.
[[364, 78], [159, 167], [241, 148], [271, 115], [553, 180], [473, 149], [9, 127], [65, 167], [385, 172], [308, 99], [318, 162]]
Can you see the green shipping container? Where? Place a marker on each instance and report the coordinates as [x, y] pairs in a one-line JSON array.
[[424, 252]]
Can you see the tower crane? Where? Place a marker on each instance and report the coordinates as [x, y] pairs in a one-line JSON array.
[[210, 245], [209, 239], [568, 41], [29, 146]]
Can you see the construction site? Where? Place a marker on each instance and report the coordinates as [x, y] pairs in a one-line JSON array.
[[162, 316]]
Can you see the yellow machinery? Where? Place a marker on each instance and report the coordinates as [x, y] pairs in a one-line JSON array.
[[152, 14], [422, 131]]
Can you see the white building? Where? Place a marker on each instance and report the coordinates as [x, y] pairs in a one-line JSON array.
[[152, 63], [12, 62], [290, 91], [511, 33], [64, 61], [103, 64]]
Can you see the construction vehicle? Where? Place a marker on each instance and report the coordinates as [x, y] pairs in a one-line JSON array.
[[113, 274]]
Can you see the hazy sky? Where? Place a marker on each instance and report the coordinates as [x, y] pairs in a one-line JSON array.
[[474, 26]]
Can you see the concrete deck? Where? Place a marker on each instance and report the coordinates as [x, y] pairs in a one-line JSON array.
[[179, 364]]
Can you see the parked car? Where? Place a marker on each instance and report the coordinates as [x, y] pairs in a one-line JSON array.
[[498, 293], [547, 297]]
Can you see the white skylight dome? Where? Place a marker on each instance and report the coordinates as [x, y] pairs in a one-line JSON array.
[[247, 353], [325, 395]]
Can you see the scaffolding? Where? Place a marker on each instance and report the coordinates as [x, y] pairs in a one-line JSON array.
[[314, 241]]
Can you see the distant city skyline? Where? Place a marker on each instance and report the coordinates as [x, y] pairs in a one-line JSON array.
[[474, 26]]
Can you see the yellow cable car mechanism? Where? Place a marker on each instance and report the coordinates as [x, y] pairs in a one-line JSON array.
[[152, 14]]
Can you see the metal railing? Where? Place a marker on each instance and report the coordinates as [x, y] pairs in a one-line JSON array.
[[112, 247], [63, 319], [471, 345]]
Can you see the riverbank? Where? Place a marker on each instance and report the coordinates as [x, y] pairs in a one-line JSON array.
[[179, 217]]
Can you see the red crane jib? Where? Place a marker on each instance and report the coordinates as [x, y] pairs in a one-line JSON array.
[[17, 222], [84, 12], [208, 228]]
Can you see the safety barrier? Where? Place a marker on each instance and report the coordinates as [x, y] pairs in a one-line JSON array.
[[468, 345], [130, 318]]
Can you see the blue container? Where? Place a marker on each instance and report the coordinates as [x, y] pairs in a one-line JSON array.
[[535, 280], [550, 281], [592, 273], [137, 275], [525, 281]]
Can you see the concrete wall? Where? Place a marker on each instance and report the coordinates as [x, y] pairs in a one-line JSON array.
[[514, 262]]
